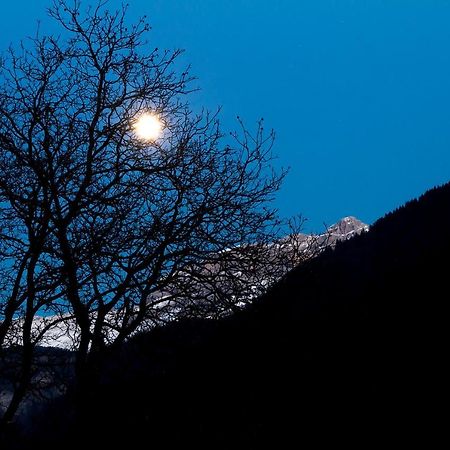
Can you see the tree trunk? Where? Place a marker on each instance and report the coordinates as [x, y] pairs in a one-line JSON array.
[[21, 388]]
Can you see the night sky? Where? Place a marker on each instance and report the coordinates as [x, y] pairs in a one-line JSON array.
[[358, 92]]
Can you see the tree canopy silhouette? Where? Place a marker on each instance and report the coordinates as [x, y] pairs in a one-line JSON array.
[[101, 225]]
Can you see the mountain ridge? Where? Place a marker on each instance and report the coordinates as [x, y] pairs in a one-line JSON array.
[[63, 333]]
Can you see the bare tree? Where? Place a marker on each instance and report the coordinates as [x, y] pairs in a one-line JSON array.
[[102, 226]]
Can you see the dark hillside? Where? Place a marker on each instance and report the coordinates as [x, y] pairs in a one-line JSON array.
[[348, 348]]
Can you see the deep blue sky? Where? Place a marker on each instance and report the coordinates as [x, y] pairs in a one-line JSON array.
[[357, 91]]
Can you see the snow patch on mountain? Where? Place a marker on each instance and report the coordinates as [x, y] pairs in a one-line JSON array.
[[62, 331]]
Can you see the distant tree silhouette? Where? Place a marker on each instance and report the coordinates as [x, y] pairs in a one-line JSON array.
[[105, 228], [348, 346]]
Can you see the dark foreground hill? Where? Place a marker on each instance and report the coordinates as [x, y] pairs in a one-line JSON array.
[[348, 348]]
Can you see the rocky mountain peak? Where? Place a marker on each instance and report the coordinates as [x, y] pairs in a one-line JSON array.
[[347, 227]]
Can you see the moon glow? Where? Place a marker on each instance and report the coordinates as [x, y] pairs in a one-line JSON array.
[[148, 127]]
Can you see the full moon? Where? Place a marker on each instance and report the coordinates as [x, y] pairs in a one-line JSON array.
[[148, 127]]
